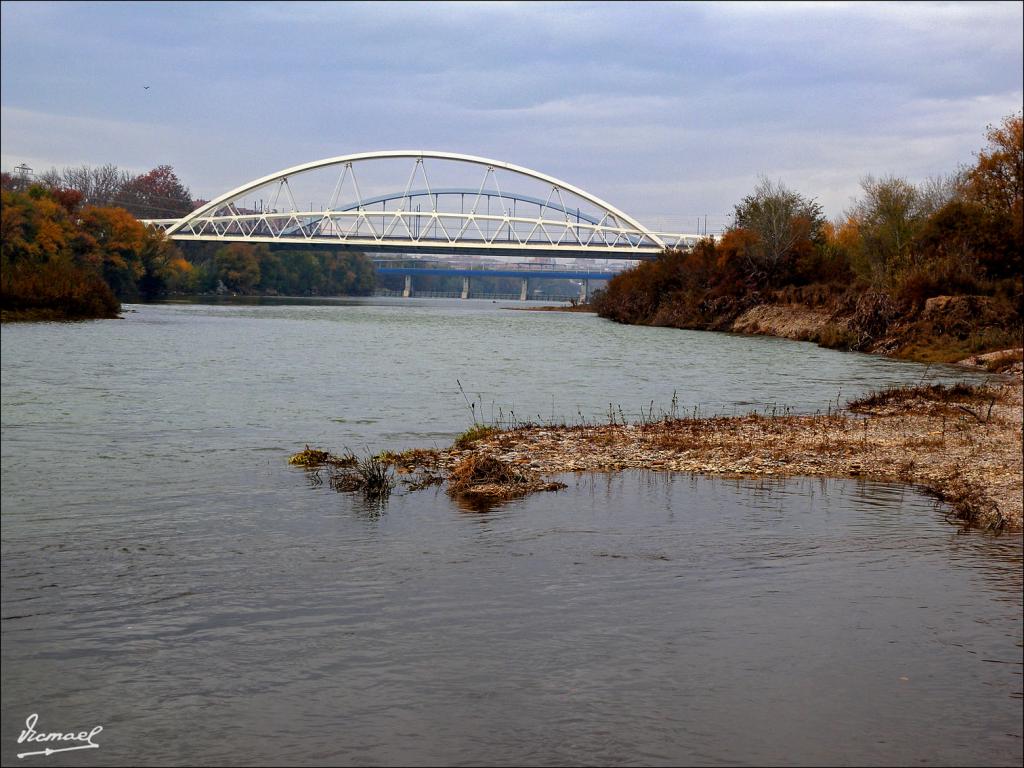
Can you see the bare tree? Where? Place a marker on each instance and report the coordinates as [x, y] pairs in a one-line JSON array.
[[155, 194], [936, 191], [780, 219], [100, 185]]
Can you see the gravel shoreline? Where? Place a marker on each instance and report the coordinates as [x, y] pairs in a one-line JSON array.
[[963, 444]]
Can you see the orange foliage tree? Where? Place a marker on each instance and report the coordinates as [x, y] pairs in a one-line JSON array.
[[997, 180], [59, 261], [39, 275]]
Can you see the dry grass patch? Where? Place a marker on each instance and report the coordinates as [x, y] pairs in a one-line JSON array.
[[909, 396], [473, 434], [412, 459], [309, 457]]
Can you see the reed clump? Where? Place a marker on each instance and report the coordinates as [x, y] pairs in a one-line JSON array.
[[347, 472], [377, 480], [370, 475]]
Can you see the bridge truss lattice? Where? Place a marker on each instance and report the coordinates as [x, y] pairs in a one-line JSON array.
[[419, 201]]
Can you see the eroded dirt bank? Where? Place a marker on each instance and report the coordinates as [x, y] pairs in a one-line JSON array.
[[947, 329]]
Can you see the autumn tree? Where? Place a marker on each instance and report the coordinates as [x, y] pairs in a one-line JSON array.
[[34, 228], [238, 266], [971, 235], [887, 218], [69, 199], [360, 277], [997, 180], [828, 261], [39, 274], [182, 276], [158, 194], [979, 241], [111, 240], [783, 223]]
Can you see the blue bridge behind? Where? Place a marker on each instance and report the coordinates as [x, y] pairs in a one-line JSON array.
[[525, 273]]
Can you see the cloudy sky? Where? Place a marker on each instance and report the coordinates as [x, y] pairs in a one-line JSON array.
[[669, 111]]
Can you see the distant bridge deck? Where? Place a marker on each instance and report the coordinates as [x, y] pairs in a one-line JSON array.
[[523, 273]]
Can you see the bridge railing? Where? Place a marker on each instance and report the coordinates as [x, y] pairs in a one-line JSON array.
[[676, 240], [382, 228], [476, 266]]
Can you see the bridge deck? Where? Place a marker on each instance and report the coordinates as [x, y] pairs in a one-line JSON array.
[[547, 274]]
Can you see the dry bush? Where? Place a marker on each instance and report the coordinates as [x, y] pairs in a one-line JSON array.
[[873, 313], [486, 477], [475, 471], [934, 393]]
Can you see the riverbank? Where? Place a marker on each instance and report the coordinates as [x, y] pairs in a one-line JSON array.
[[961, 443], [584, 308], [947, 329], [50, 315]]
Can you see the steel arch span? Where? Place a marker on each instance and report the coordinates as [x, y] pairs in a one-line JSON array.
[[475, 206]]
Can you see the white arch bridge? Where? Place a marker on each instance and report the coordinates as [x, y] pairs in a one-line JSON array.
[[422, 202]]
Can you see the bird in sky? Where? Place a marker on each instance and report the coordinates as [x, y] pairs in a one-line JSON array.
[[146, 87]]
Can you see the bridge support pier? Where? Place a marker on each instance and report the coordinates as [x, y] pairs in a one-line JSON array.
[[465, 287], [524, 290], [407, 291], [584, 291]]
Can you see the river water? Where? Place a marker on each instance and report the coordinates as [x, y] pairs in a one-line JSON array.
[[166, 575]]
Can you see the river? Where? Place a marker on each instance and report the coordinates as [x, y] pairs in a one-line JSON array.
[[166, 575]]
